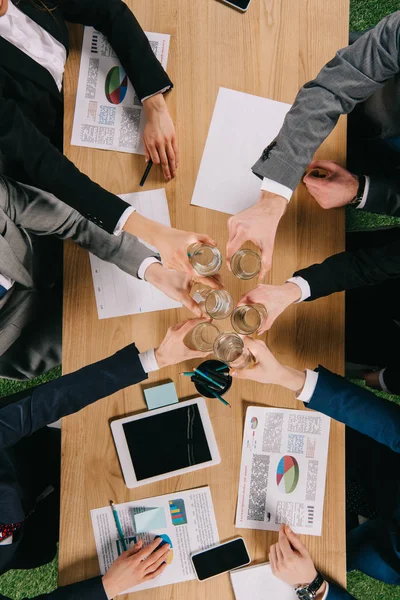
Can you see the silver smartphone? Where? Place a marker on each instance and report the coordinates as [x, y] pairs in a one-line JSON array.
[[220, 559]]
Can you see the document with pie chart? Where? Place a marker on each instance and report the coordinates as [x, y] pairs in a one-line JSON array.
[[283, 470], [184, 520], [108, 113]]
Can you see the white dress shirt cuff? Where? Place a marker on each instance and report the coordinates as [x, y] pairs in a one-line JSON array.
[[268, 185], [309, 387], [6, 282], [155, 93], [365, 194], [326, 591], [8, 541], [303, 285], [382, 381], [148, 360], [145, 265], [123, 219]]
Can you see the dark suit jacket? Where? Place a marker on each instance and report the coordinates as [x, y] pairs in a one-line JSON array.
[[31, 109], [24, 438], [378, 419]]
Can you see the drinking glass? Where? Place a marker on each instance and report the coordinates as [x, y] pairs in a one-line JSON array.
[[248, 318], [229, 348], [206, 260], [202, 337], [218, 304], [245, 263]]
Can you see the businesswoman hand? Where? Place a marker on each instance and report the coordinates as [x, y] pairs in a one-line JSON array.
[[177, 285], [172, 349], [336, 189], [171, 243], [257, 224], [275, 298], [135, 566], [159, 136]]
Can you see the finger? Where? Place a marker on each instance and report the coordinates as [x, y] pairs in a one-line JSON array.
[[135, 548], [176, 150], [164, 160], [192, 305], [157, 564], [156, 555], [295, 541], [280, 559], [328, 165], [272, 559], [154, 154], [156, 573], [284, 544], [145, 552], [146, 152], [214, 282], [255, 346], [205, 239], [266, 259], [171, 159], [234, 243]]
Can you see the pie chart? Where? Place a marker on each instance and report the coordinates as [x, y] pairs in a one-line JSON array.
[[287, 474], [116, 85]]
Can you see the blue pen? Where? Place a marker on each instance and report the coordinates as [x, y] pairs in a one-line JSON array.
[[118, 524], [219, 385], [219, 398], [223, 368]]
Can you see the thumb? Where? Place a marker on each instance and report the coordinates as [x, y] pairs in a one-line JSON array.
[[206, 239], [192, 305], [327, 165], [295, 541], [239, 374], [266, 259], [235, 241]]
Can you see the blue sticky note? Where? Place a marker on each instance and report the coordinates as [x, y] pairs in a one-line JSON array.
[[150, 520], [161, 395]]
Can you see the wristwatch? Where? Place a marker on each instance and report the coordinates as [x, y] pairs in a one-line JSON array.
[[309, 592], [360, 192]]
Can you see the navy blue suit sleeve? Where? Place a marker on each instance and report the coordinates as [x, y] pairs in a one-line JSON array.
[[116, 21], [92, 589], [24, 413], [338, 593], [358, 408]]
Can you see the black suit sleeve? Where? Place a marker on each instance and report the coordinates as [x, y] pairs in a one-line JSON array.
[[391, 377], [383, 196], [52, 171], [115, 20], [92, 589], [24, 413], [350, 270]]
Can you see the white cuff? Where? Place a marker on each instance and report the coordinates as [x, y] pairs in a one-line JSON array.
[[6, 282], [268, 185], [309, 387], [326, 591], [365, 194], [123, 219], [303, 285], [148, 360], [155, 93], [145, 265], [382, 381], [7, 541]]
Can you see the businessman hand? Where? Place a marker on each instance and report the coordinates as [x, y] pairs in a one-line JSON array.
[[291, 561], [135, 566], [172, 244], [268, 369], [275, 298], [257, 224], [372, 380], [172, 349], [337, 189], [177, 285], [159, 136]]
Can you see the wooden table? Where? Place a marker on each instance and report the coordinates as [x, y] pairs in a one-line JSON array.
[[269, 51]]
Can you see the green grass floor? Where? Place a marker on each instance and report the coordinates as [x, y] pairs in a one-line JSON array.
[[29, 584]]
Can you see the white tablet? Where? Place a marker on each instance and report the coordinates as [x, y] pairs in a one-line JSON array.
[[165, 442]]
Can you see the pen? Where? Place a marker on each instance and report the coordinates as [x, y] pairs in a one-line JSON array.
[[145, 174], [219, 385], [118, 524], [223, 368], [201, 381], [219, 398]]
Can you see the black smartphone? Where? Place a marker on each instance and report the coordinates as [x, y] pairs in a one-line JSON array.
[[242, 5], [220, 559]]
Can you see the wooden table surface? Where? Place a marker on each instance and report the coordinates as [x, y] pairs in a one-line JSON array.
[[269, 51]]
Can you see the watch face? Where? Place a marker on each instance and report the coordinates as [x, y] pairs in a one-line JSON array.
[[304, 594]]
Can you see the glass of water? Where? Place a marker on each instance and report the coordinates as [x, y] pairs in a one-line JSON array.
[[248, 318], [229, 348], [245, 263], [218, 304], [202, 337], [206, 260]]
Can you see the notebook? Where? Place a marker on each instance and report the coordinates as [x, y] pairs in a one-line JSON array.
[[259, 583]]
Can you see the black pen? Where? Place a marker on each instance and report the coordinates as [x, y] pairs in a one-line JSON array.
[[145, 174]]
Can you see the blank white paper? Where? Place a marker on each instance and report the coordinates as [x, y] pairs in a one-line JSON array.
[[241, 127], [259, 583], [119, 294]]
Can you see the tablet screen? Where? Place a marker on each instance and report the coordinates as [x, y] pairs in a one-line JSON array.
[[167, 442]]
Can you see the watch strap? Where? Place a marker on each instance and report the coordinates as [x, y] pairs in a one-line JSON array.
[[360, 191], [308, 592]]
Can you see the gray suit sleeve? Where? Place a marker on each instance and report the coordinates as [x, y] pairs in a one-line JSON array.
[[42, 213], [355, 73]]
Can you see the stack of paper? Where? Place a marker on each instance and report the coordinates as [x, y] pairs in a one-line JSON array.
[[259, 583]]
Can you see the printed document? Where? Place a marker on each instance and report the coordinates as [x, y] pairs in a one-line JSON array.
[[241, 127], [283, 470], [108, 112], [188, 524], [117, 293]]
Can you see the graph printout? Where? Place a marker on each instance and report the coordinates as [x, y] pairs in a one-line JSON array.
[[108, 112], [283, 470]]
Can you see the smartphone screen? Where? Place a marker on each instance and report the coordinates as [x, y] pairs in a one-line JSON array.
[[242, 4], [221, 559]]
